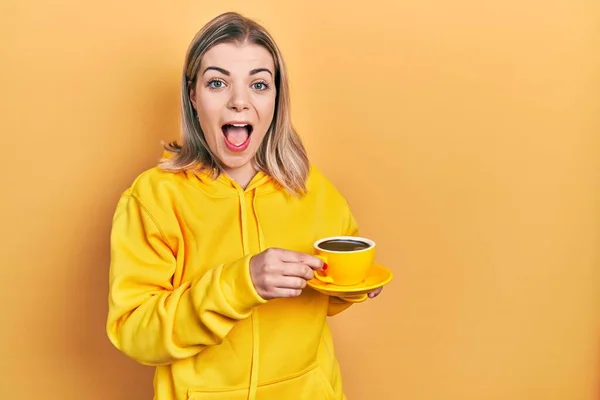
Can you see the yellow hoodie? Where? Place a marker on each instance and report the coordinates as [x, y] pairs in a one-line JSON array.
[[181, 297]]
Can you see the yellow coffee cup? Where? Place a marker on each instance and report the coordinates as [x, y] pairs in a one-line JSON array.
[[347, 259]]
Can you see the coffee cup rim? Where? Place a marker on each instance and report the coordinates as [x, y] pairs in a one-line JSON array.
[[370, 242]]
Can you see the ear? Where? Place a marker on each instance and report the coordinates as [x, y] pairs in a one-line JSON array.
[[192, 87]]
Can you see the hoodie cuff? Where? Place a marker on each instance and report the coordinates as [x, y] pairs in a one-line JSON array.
[[236, 283]]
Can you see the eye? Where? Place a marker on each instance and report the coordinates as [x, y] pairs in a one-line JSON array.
[[215, 84], [260, 86]]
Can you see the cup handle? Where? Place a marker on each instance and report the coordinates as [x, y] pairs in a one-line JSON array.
[[320, 274]]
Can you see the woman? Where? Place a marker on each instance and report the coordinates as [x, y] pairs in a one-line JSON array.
[[210, 250]]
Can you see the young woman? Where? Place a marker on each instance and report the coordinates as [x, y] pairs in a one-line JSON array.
[[211, 249]]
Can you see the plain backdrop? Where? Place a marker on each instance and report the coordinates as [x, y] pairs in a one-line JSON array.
[[465, 135]]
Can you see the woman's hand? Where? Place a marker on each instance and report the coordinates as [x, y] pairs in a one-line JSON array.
[[282, 273], [374, 293]]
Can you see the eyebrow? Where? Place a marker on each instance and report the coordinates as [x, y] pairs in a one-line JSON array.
[[225, 72]]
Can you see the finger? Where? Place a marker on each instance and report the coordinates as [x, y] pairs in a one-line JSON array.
[[313, 262], [296, 269], [290, 256], [287, 292], [375, 293], [290, 282]]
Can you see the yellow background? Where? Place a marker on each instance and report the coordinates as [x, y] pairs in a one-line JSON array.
[[465, 135]]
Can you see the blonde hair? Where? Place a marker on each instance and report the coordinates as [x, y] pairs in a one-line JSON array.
[[281, 154]]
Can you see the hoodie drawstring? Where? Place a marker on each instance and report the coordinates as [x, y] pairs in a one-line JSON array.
[[261, 239], [254, 316], [244, 219], [254, 369], [254, 364]]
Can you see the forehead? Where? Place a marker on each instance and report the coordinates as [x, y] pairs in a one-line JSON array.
[[238, 57]]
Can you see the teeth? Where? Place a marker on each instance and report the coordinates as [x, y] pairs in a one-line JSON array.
[[240, 125]]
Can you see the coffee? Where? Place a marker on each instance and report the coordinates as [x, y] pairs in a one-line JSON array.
[[344, 245]]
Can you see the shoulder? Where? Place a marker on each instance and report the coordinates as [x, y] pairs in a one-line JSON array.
[[158, 193], [319, 184], [153, 183], [316, 177], [334, 203]]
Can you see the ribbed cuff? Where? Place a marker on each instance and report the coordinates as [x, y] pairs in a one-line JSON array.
[[238, 288]]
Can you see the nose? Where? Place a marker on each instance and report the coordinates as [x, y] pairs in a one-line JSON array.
[[239, 100]]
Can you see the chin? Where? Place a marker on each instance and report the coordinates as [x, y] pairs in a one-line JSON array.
[[236, 161]]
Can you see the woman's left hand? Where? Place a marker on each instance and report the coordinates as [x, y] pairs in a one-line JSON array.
[[374, 293]]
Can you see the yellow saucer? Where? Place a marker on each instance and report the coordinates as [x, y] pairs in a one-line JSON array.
[[377, 277]]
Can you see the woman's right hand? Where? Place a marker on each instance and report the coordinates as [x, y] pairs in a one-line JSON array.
[[282, 273]]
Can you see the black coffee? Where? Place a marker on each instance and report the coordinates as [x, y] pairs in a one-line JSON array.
[[344, 245]]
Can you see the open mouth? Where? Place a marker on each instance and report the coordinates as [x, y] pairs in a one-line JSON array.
[[237, 136]]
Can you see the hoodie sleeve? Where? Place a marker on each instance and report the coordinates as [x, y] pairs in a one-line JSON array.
[[150, 319], [338, 304]]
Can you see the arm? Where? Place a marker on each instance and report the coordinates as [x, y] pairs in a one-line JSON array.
[[149, 319]]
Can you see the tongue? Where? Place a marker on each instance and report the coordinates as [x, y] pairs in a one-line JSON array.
[[236, 135]]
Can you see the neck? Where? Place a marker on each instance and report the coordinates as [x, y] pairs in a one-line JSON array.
[[242, 175]]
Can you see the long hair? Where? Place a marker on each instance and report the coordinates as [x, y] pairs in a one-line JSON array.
[[281, 154]]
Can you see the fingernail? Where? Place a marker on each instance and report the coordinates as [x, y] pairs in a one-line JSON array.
[[324, 266]]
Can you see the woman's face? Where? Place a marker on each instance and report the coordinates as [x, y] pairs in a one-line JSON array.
[[234, 97]]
